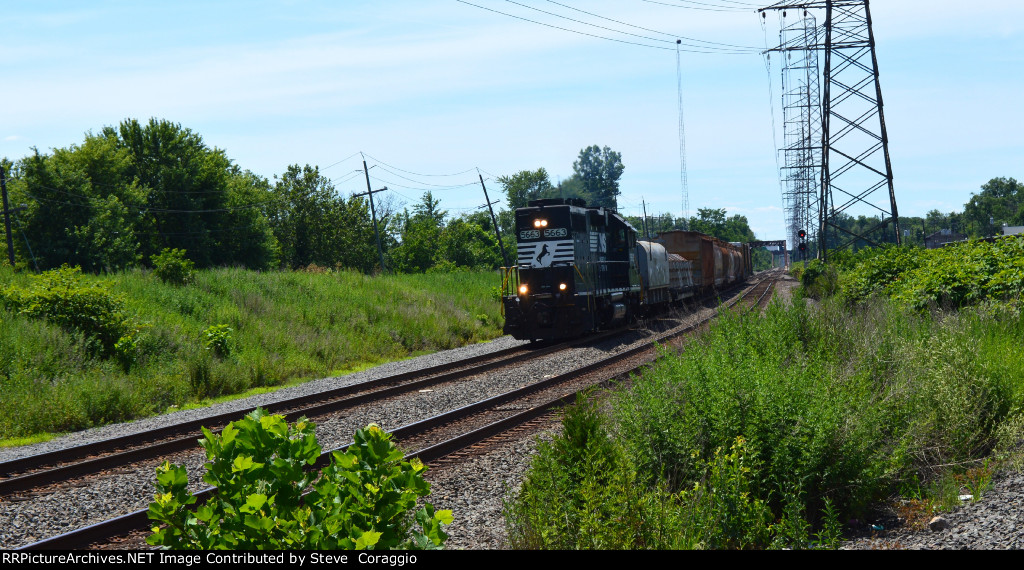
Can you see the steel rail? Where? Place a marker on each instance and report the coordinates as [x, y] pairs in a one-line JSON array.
[[148, 444]]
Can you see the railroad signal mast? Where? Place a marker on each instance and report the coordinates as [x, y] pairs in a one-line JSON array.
[[855, 170]]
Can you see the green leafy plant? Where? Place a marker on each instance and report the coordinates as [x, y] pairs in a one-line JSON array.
[[266, 498], [216, 337], [496, 293], [723, 508], [59, 297], [171, 266], [126, 351], [819, 279]]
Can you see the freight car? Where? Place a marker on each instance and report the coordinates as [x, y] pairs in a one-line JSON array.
[[582, 269]]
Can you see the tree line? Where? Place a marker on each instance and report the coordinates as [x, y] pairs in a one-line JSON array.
[[126, 194], [129, 192], [999, 203]]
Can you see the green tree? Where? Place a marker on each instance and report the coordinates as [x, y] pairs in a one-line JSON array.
[[186, 186], [524, 186], [572, 187], [737, 228], [466, 244], [248, 237], [356, 240], [82, 206], [129, 192], [710, 221], [659, 223], [1000, 201], [713, 221], [420, 236], [301, 217], [599, 170]]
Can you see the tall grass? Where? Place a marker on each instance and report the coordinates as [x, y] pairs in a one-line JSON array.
[[826, 411], [284, 326]]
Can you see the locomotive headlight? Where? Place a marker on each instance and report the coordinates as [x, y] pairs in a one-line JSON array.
[[540, 223], [522, 289], [561, 286]]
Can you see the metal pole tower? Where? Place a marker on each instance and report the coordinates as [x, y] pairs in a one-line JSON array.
[[801, 109], [855, 165]]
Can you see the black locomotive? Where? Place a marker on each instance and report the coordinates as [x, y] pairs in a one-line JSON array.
[[582, 269]]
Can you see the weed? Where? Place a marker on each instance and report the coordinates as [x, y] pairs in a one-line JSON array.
[[837, 407], [171, 266], [322, 323], [215, 339]]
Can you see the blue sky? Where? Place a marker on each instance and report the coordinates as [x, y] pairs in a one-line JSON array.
[[442, 87]]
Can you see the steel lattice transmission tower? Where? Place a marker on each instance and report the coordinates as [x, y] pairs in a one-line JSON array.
[[856, 173], [801, 111]]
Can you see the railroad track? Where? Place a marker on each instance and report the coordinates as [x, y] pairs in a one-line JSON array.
[[455, 431], [25, 474]]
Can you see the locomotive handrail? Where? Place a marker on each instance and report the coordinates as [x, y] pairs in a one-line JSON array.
[[505, 279], [590, 296]]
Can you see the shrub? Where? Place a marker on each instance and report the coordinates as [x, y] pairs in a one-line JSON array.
[[216, 337], [314, 268], [363, 500], [949, 278], [171, 266], [59, 297], [582, 492], [819, 279]]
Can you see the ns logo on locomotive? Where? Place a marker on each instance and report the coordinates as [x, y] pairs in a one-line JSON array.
[[582, 269]]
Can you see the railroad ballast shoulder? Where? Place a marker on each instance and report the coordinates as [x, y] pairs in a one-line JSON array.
[[582, 269]]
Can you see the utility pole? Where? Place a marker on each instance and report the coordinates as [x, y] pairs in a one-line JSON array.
[[373, 213], [646, 232], [7, 216], [497, 232]]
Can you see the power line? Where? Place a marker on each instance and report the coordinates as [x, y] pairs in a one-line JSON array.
[[705, 50], [435, 187], [691, 5], [602, 27], [340, 161], [676, 36], [379, 161], [440, 186], [90, 200], [346, 177]]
